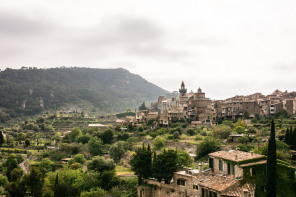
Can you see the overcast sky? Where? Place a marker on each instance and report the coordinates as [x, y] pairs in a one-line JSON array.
[[226, 47]]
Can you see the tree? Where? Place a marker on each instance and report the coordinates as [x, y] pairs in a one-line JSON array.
[[208, 145], [183, 159], [241, 123], [117, 150], [95, 146], [10, 163], [164, 165], [158, 143], [107, 136], [108, 179], [36, 181], [142, 107], [190, 131], [75, 132], [141, 163], [221, 131], [46, 164], [239, 129], [79, 158], [271, 164], [176, 136], [1, 138], [83, 139], [27, 142], [100, 164]]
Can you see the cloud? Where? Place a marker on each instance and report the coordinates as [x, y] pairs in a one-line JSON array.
[[17, 25]]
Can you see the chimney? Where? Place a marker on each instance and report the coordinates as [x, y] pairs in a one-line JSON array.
[[252, 152], [200, 168]]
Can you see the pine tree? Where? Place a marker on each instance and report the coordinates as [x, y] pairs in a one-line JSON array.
[[271, 164]]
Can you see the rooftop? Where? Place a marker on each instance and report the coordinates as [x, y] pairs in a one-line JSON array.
[[216, 182], [235, 155]]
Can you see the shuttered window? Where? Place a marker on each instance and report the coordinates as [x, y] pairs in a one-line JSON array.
[[221, 165]]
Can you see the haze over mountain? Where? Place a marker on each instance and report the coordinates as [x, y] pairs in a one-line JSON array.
[[32, 91]]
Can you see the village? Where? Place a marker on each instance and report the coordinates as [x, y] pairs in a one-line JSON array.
[[221, 147]]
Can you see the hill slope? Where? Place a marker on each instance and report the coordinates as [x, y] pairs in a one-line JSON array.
[[31, 91]]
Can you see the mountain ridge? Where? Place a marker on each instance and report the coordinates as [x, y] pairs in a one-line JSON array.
[[30, 91]]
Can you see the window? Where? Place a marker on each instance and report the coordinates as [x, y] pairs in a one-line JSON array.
[[181, 182], [253, 171], [221, 165], [228, 168], [211, 163], [195, 187], [233, 171]]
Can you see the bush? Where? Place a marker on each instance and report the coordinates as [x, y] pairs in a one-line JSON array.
[[198, 137], [190, 131], [203, 133], [176, 135], [239, 129], [79, 158], [159, 142], [221, 131]]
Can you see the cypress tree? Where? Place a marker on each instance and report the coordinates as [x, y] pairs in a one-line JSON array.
[[1, 138], [271, 164], [293, 139], [287, 136]]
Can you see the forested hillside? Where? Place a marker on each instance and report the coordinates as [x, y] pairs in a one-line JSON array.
[[32, 91]]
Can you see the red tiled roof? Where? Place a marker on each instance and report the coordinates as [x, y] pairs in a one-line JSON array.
[[235, 155], [216, 182]]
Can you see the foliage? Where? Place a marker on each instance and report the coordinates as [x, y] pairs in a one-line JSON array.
[[159, 142], [208, 145], [83, 139], [164, 165], [107, 136], [10, 163], [143, 107], [1, 138], [94, 192], [271, 164], [117, 150], [95, 146], [79, 158], [183, 159], [228, 123], [241, 123], [176, 135], [75, 132], [141, 163], [27, 142], [60, 86], [36, 181], [239, 129], [190, 131], [221, 131], [46, 164], [100, 164]]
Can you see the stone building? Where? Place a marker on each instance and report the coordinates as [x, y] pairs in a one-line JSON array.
[[224, 178]]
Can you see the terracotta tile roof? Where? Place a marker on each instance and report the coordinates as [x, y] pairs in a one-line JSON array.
[[247, 189], [216, 182], [235, 155], [254, 163]]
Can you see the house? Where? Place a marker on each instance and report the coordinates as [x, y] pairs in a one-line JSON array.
[[223, 178]]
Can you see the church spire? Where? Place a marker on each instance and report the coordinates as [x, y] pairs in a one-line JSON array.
[[183, 90]]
